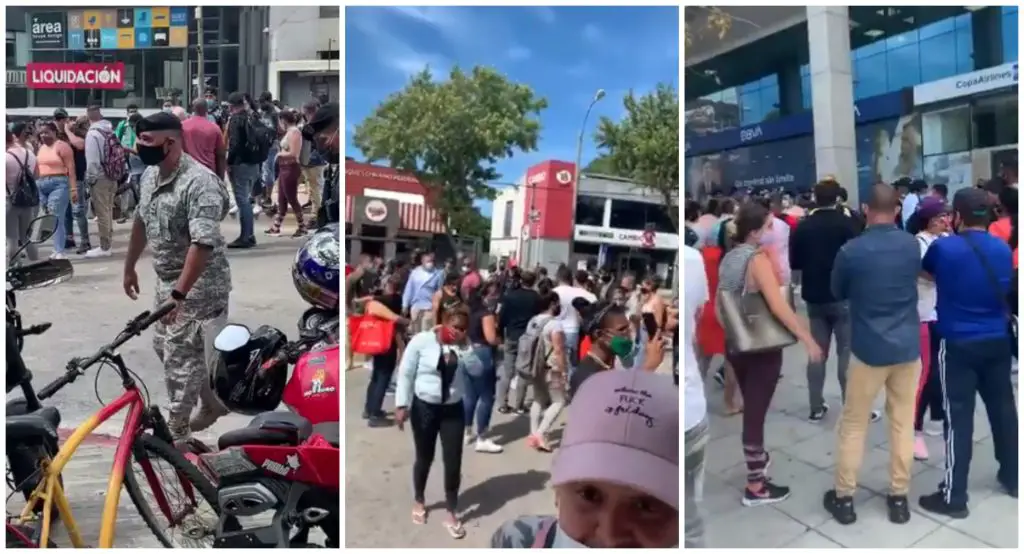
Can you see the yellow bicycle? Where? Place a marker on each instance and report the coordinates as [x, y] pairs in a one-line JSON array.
[[145, 437]]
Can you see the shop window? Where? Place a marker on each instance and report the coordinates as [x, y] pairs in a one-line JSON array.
[[938, 57], [995, 122], [506, 227], [871, 76], [904, 67], [1009, 25], [946, 131], [638, 216], [590, 210]]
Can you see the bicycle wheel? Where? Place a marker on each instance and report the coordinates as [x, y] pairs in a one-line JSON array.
[[185, 483]]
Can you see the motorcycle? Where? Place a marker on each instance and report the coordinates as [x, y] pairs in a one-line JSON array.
[[285, 464], [22, 455]]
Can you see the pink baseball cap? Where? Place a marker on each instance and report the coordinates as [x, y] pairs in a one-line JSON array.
[[623, 427]]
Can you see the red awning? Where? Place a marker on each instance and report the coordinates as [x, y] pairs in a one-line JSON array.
[[414, 217]]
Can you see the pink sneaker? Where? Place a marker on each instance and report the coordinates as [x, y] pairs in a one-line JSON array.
[[920, 448]]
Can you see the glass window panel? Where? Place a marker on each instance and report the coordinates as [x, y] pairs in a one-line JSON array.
[[995, 122], [937, 28], [805, 91], [750, 108], [590, 210], [769, 81], [871, 75], [938, 57], [901, 40], [904, 67], [770, 99], [869, 50], [946, 131], [748, 87], [1009, 9], [964, 50], [963, 21], [805, 69], [1010, 37]]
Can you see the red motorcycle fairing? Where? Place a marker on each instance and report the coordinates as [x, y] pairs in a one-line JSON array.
[[313, 390], [315, 462]]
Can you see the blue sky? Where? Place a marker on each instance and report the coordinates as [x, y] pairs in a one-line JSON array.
[[564, 53]]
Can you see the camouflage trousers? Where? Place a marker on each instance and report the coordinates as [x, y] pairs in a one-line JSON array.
[[695, 442], [185, 347]]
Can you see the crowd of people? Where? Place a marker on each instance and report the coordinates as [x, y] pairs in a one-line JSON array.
[[920, 296], [174, 166], [79, 167], [471, 341]]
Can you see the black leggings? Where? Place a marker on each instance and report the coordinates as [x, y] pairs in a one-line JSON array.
[[757, 375], [931, 394], [428, 421]]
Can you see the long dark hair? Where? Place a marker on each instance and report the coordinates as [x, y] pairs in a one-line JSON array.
[[750, 219], [1008, 201]]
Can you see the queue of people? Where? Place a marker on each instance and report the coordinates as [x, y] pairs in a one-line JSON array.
[[936, 331], [469, 342]]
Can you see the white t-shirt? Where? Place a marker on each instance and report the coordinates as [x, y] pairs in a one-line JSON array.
[[926, 295], [569, 318], [695, 297]]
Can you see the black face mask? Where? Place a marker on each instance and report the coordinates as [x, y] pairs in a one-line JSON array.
[[151, 155]]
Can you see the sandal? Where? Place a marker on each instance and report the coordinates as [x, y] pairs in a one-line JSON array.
[[419, 516], [455, 529]]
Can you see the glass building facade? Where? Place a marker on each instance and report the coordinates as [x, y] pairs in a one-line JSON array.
[[931, 52]]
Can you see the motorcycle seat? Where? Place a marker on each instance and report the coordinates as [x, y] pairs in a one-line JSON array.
[[330, 431], [37, 425], [268, 428]]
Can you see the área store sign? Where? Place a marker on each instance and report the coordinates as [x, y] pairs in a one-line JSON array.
[[108, 76]]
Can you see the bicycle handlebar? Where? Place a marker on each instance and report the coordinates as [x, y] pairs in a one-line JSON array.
[[134, 328]]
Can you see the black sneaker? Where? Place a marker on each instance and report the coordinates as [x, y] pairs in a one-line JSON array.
[[899, 508], [770, 493], [841, 507], [936, 504], [818, 414], [83, 248], [69, 244], [505, 410], [242, 243], [720, 377], [522, 411], [299, 233], [1010, 490]]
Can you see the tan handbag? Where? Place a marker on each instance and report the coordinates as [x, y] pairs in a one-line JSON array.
[[748, 322]]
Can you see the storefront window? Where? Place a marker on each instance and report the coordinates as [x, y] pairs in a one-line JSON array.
[[946, 131], [590, 210], [995, 122], [150, 76], [1009, 34], [639, 216]]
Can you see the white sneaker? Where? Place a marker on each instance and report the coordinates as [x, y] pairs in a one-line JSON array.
[[233, 211], [487, 446], [98, 252], [257, 210], [469, 439], [58, 256]]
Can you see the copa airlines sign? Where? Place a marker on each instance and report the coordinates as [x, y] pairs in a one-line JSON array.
[[975, 82]]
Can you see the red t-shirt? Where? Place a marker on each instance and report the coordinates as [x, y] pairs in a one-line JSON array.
[[202, 138]]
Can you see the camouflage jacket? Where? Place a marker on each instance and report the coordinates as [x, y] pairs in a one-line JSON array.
[[520, 532], [183, 209]]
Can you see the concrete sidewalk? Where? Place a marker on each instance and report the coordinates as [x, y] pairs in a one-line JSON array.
[[803, 457]]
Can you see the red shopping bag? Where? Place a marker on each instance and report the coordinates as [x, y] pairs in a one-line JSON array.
[[372, 336]]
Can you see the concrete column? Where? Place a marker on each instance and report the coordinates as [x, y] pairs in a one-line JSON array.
[[828, 34]]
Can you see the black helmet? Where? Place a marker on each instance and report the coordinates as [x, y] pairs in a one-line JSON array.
[[247, 380]]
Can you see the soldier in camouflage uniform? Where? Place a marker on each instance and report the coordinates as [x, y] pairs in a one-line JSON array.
[[180, 208]]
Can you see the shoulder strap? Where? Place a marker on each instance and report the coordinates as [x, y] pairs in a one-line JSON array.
[[545, 536], [990, 273]]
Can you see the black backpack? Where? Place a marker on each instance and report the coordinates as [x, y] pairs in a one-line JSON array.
[[26, 192], [259, 138]]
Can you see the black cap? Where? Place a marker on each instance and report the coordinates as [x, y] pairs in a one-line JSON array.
[[60, 113], [325, 116], [971, 202], [161, 121]]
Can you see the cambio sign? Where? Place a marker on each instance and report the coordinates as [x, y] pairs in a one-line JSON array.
[[967, 84]]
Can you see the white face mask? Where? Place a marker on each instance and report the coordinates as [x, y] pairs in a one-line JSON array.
[[428, 265], [465, 269]]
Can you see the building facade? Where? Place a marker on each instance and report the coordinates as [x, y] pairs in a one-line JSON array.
[[304, 53], [862, 94], [618, 224], [70, 57]]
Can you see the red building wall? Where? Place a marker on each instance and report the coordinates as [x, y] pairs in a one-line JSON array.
[[549, 188]]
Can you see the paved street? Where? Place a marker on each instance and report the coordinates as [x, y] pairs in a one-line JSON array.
[[378, 482], [90, 309], [802, 458]]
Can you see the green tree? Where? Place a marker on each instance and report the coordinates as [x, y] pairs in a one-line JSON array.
[[450, 134], [601, 165], [644, 145], [701, 20]]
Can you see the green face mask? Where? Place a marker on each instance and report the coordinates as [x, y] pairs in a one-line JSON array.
[[620, 346]]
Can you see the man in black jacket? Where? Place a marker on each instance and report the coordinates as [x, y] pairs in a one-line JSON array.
[[812, 251], [518, 306], [241, 171]]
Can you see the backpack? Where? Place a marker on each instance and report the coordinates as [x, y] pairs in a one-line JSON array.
[[259, 138], [26, 192], [530, 344], [115, 159], [305, 152]]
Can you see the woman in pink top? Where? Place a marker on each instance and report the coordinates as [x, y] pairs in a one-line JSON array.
[[20, 161], [56, 163]]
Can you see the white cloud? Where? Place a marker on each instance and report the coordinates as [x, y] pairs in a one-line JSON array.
[[392, 51], [518, 53], [592, 33], [545, 14]]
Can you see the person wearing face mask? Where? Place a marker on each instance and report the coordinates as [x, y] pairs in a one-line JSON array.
[[289, 172], [549, 371], [204, 141], [616, 473], [242, 170], [101, 177], [973, 272], [180, 209], [479, 371], [748, 268], [571, 326], [611, 338], [386, 306], [429, 397], [519, 306], [56, 182], [323, 129], [311, 161], [418, 295]]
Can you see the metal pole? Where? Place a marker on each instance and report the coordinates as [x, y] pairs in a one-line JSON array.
[[579, 159], [200, 58]]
